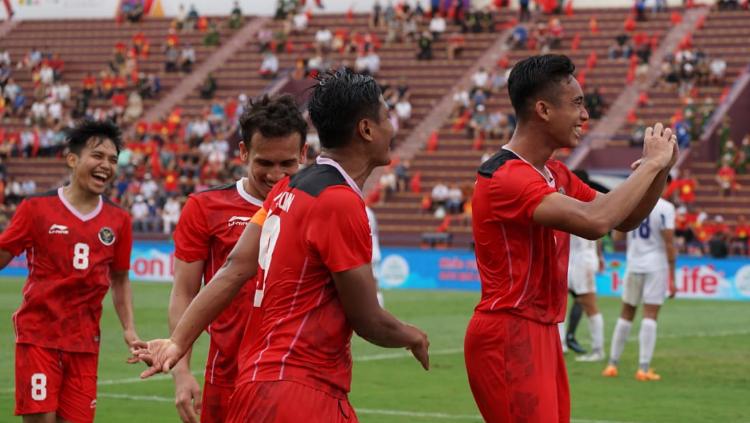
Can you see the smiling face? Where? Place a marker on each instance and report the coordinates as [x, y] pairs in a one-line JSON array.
[[567, 114], [269, 160], [94, 168]]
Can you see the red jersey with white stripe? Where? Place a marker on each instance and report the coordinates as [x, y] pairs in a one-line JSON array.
[[70, 257], [316, 225], [523, 266], [210, 224]]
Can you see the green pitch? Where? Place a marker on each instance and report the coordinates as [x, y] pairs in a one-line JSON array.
[[702, 353]]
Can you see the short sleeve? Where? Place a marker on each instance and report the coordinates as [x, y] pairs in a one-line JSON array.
[[577, 188], [17, 236], [123, 246], [668, 218], [338, 230], [516, 191], [191, 236]]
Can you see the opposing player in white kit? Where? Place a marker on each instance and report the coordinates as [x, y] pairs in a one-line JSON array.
[[585, 260], [650, 273], [376, 256]]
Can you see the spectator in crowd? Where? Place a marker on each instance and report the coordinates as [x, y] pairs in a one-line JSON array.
[[323, 39], [595, 104], [718, 70], [439, 194], [455, 45], [480, 80], [726, 177], [518, 38], [455, 200], [212, 37], [718, 244], [639, 131], [187, 58], [235, 17], [425, 46], [269, 68], [133, 10], [403, 175], [437, 26], [170, 214], [170, 59], [388, 184], [299, 23], [377, 11], [192, 18], [403, 110], [209, 86]]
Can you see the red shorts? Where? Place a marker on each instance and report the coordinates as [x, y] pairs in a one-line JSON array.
[[287, 402], [215, 405], [516, 369], [49, 380]]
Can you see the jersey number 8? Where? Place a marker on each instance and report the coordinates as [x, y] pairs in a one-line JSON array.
[[644, 231], [81, 256]]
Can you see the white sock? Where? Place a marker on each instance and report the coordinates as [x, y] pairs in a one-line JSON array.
[[620, 335], [596, 328], [561, 329], [647, 340]]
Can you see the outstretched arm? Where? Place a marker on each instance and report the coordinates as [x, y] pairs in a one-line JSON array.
[[241, 265], [122, 298]]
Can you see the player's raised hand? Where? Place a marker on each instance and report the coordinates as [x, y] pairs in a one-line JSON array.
[[187, 396], [160, 354], [419, 346], [659, 146]]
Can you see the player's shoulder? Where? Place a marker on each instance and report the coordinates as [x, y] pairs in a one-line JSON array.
[[316, 179], [503, 159], [45, 196], [664, 206], [214, 191]]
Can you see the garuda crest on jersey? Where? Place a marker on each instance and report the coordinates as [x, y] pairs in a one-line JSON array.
[[106, 236]]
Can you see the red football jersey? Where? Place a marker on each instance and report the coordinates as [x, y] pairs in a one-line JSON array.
[[523, 266], [210, 224], [316, 225], [70, 256]]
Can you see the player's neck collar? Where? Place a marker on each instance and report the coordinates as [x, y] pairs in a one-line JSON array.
[[245, 195], [330, 162], [84, 217], [549, 178]]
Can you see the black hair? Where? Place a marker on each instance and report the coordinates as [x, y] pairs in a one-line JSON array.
[[339, 101], [276, 116], [537, 76], [84, 130]]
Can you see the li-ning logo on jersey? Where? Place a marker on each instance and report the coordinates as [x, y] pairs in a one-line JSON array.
[[238, 220], [106, 236], [284, 201], [93, 403], [58, 229]]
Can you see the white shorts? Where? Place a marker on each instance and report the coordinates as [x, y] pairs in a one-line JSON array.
[[648, 288], [581, 278]]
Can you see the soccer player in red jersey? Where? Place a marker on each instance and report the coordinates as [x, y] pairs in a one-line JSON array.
[[316, 283], [77, 245], [525, 205], [211, 222]]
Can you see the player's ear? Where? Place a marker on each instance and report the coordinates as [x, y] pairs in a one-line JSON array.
[[542, 109], [364, 129], [303, 154], [71, 159], [244, 152]]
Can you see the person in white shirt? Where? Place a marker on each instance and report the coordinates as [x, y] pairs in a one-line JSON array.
[[437, 26], [171, 214], [403, 109], [480, 79], [55, 111], [270, 65], [300, 22], [651, 256], [323, 38], [149, 187]]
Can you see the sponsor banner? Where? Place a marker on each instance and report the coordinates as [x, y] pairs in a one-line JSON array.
[[412, 268], [696, 277], [151, 261]]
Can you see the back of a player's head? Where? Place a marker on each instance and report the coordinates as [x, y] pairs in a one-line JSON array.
[[339, 101], [537, 77], [95, 131], [272, 117]]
